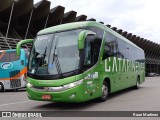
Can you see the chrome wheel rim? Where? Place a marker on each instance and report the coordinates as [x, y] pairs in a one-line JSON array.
[[138, 84], [0, 87], [104, 91]]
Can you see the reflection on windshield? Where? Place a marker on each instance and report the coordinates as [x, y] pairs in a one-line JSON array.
[[9, 56], [40, 53], [55, 53]]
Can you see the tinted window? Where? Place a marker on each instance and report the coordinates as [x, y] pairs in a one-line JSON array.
[[111, 46], [130, 51], [8, 56], [116, 47], [92, 50], [127, 48], [121, 46]]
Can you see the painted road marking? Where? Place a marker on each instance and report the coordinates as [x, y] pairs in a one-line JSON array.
[[15, 103]]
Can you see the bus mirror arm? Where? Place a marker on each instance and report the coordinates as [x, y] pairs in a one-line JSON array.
[[18, 47], [82, 36]]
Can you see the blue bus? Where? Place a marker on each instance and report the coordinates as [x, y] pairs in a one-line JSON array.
[[13, 69]]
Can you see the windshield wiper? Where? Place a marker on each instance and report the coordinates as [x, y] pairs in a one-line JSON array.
[[55, 58]]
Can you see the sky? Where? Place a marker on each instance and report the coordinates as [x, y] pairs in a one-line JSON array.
[[139, 17]]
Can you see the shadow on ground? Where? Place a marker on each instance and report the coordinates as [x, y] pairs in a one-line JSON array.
[[83, 105]]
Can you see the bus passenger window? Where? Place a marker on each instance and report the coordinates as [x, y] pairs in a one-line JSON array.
[[107, 51], [110, 49], [92, 48]]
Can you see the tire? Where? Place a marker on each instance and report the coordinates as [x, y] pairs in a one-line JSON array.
[[16, 90], [105, 92], [1, 87], [137, 86]]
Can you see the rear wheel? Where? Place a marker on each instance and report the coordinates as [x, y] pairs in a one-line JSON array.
[[105, 92], [1, 87], [137, 83]]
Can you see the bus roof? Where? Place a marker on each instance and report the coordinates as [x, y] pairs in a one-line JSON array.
[[76, 25], [69, 26]]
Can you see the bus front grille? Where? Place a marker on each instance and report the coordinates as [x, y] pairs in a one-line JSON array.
[[15, 82]]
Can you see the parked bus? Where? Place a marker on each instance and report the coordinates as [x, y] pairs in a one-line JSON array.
[[13, 69], [80, 61]]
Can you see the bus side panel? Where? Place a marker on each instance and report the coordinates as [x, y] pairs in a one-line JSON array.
[[122, 73], [92, 83]]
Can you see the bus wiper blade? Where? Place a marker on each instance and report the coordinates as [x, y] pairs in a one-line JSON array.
[[55, 58]]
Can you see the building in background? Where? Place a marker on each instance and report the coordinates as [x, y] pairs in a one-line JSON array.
[[21, 19]]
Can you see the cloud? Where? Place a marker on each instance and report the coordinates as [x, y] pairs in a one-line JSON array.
[[139, 17]]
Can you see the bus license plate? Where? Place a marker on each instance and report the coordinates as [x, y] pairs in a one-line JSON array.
[[46, 97]]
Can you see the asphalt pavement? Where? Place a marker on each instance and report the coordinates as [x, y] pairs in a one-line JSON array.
[[147, 98]]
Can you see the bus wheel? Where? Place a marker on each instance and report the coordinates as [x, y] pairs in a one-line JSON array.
[[1, 87], [105, 92], [137, 83], [15, 90]]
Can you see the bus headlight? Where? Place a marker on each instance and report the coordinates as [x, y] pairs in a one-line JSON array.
[[29, 85], [70, 85]]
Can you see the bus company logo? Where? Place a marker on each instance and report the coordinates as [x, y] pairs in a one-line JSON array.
[[7, 65]]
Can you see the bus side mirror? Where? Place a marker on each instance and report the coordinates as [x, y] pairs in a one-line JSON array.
[[18, 47], [82, 36]]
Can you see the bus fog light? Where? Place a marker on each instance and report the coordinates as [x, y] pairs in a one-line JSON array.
[[72, 96]]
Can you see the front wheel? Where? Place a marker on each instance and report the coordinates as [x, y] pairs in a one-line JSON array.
[[105, 92], [1, 87]]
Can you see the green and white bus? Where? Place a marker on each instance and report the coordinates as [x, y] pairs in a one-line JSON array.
[[80, 61]]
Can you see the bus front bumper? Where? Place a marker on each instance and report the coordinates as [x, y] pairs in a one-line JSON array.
[[74, 94]]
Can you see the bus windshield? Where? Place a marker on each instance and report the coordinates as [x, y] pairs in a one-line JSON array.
[[8, 56], [55, 53]]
